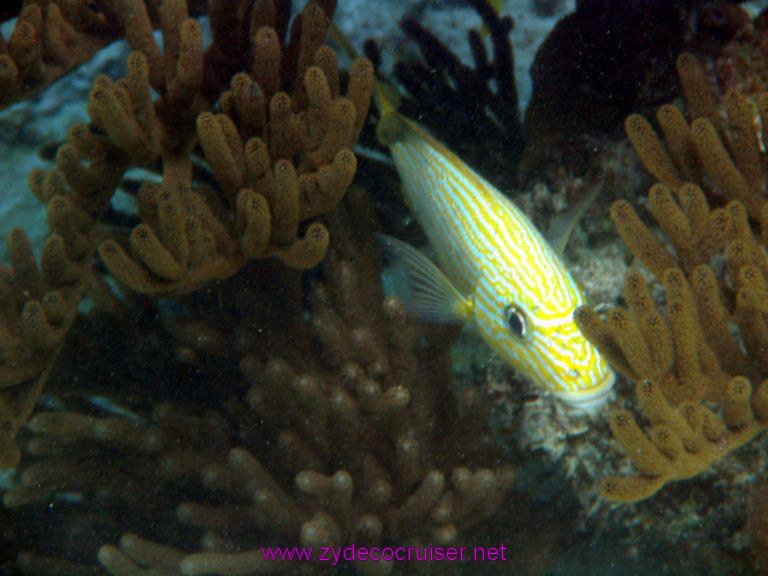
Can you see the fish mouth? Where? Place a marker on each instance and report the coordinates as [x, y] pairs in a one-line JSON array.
[[592, 399]]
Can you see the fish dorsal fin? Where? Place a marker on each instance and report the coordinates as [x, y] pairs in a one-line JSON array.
[[426, 292], [562, 225]]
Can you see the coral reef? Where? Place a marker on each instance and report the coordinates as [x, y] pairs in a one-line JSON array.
[[252, 138], [618, 70], [710, 347], [343, 431], [51, 37], [742, 63], [604, 61], [184, 240], [222, 371], [723, 157], [38, 308], [480, 99], [681, 362], [47, 42], [339, 426]]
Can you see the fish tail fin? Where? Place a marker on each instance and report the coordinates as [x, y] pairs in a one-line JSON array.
[[391, 125], [391, 128], [386, 97]]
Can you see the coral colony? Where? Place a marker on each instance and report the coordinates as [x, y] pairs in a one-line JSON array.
[[198, 383]]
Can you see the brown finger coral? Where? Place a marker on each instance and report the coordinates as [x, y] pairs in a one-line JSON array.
[[35, 318], [252, 139], [277, 151], [344, 432], [47, 41], [709, 347], [722, 155], [39, 304], [52, 37]]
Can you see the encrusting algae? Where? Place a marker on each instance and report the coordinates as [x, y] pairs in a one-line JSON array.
[[710, 346]]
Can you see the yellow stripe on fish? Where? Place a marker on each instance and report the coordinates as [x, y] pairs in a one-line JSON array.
[[495, 269]]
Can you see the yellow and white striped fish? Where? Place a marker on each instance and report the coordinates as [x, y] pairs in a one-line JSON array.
[[495, 269]]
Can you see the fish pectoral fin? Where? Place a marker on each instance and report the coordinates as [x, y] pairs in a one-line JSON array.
[[426, 292], [562, 225]]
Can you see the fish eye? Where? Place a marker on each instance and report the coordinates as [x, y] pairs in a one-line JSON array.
[[517, 321]]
